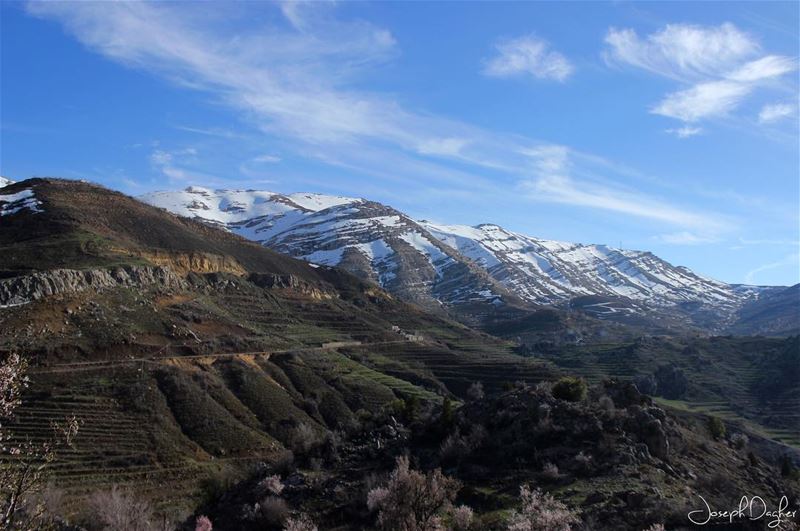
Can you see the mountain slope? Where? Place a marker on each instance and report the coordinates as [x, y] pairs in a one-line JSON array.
[[456, 265], [185, 349], [373, 241], [775, 311]]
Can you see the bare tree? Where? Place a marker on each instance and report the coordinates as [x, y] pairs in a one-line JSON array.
[[541, 512], [411, 500], [301, 523], [118, 508], [24, 464]]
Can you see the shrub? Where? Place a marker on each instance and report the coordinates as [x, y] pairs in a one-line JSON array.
[[272, 511], [454, 447], [475, 392], [583, 462], [541, 512], [203, 523], [751, 457], [303, 439], [606, 404], [411, 500], [213, 487], [271, 484], [446, 417], [716, 427], [462, 518], [284, 464], [570, 388], [740, 441], [301, 523], [550, 472], [410, 408], [788, 470], [119, 509], [457, 446]]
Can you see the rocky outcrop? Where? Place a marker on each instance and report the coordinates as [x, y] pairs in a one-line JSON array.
[[197, 262], [649, 425], [27, 288], [292, 282]]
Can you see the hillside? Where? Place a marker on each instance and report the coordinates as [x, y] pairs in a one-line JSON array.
[[187, 351], [469, 270], [195, 358], [776, 312]]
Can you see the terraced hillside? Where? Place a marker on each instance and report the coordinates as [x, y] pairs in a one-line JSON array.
[[746, 380], [186, 351]]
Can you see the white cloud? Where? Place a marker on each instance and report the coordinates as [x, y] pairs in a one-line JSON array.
[[553, 182], [171, 164], [703, 100], [686, 131], [775, 112], [267, 158], [160, 158], [208, 131], [443, 146], [717, 64], [682, 51], [528, 56], [685, 238], [762, 69], [788, 260], [296, 85]]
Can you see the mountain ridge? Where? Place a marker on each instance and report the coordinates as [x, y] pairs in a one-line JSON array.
[[444, 265]]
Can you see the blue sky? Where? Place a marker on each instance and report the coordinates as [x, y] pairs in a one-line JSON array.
[[670, 127]]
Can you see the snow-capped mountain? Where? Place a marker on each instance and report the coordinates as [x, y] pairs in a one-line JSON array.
[[436, 264], [549, 271], [5, 182], [374, 241]]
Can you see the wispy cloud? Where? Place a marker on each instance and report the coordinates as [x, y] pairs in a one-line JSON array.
[[787, 261], [528, 56], [681, 51], [296, 81], [685, 132], [267, 158], [443, 146], [175, 165], [703, 100], [685, 238], [775, 112], [209, 131], [553, 182], [718, 65]]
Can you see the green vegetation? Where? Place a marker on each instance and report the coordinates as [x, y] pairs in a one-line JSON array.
[[738, 379], [716, 427], [570, 388]]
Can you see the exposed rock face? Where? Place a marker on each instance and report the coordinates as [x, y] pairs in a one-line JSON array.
[[647, 424], [272, 281], [184, 263], [35, 286]]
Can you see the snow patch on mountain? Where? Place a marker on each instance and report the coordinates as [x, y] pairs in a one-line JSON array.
[[16, 202], [448, 263]]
